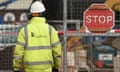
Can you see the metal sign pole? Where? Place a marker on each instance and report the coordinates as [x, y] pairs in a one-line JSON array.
[[65, 36]]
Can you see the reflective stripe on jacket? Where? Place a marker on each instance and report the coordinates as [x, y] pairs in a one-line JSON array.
[[38, 47]]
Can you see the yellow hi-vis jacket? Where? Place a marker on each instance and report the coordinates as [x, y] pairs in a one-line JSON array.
[[38, 47]]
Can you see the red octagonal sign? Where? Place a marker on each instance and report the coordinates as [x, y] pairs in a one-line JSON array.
[[98, 18]]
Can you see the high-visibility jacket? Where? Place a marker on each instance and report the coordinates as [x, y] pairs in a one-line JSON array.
[[38, 47]]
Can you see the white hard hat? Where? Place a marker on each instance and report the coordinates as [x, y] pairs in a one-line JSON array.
[[37, 7]]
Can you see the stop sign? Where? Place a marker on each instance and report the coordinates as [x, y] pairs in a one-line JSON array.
[[98, 18]]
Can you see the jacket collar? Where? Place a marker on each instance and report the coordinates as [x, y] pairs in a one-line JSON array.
[[37, 20]]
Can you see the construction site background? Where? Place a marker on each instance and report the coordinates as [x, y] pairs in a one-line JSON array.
[[97, 53]]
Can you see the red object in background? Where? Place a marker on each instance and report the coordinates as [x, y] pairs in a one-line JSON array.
[[99, 64], [70, 31], [98, 18]]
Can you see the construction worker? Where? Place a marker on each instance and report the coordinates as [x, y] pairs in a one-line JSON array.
[[38, 48]]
